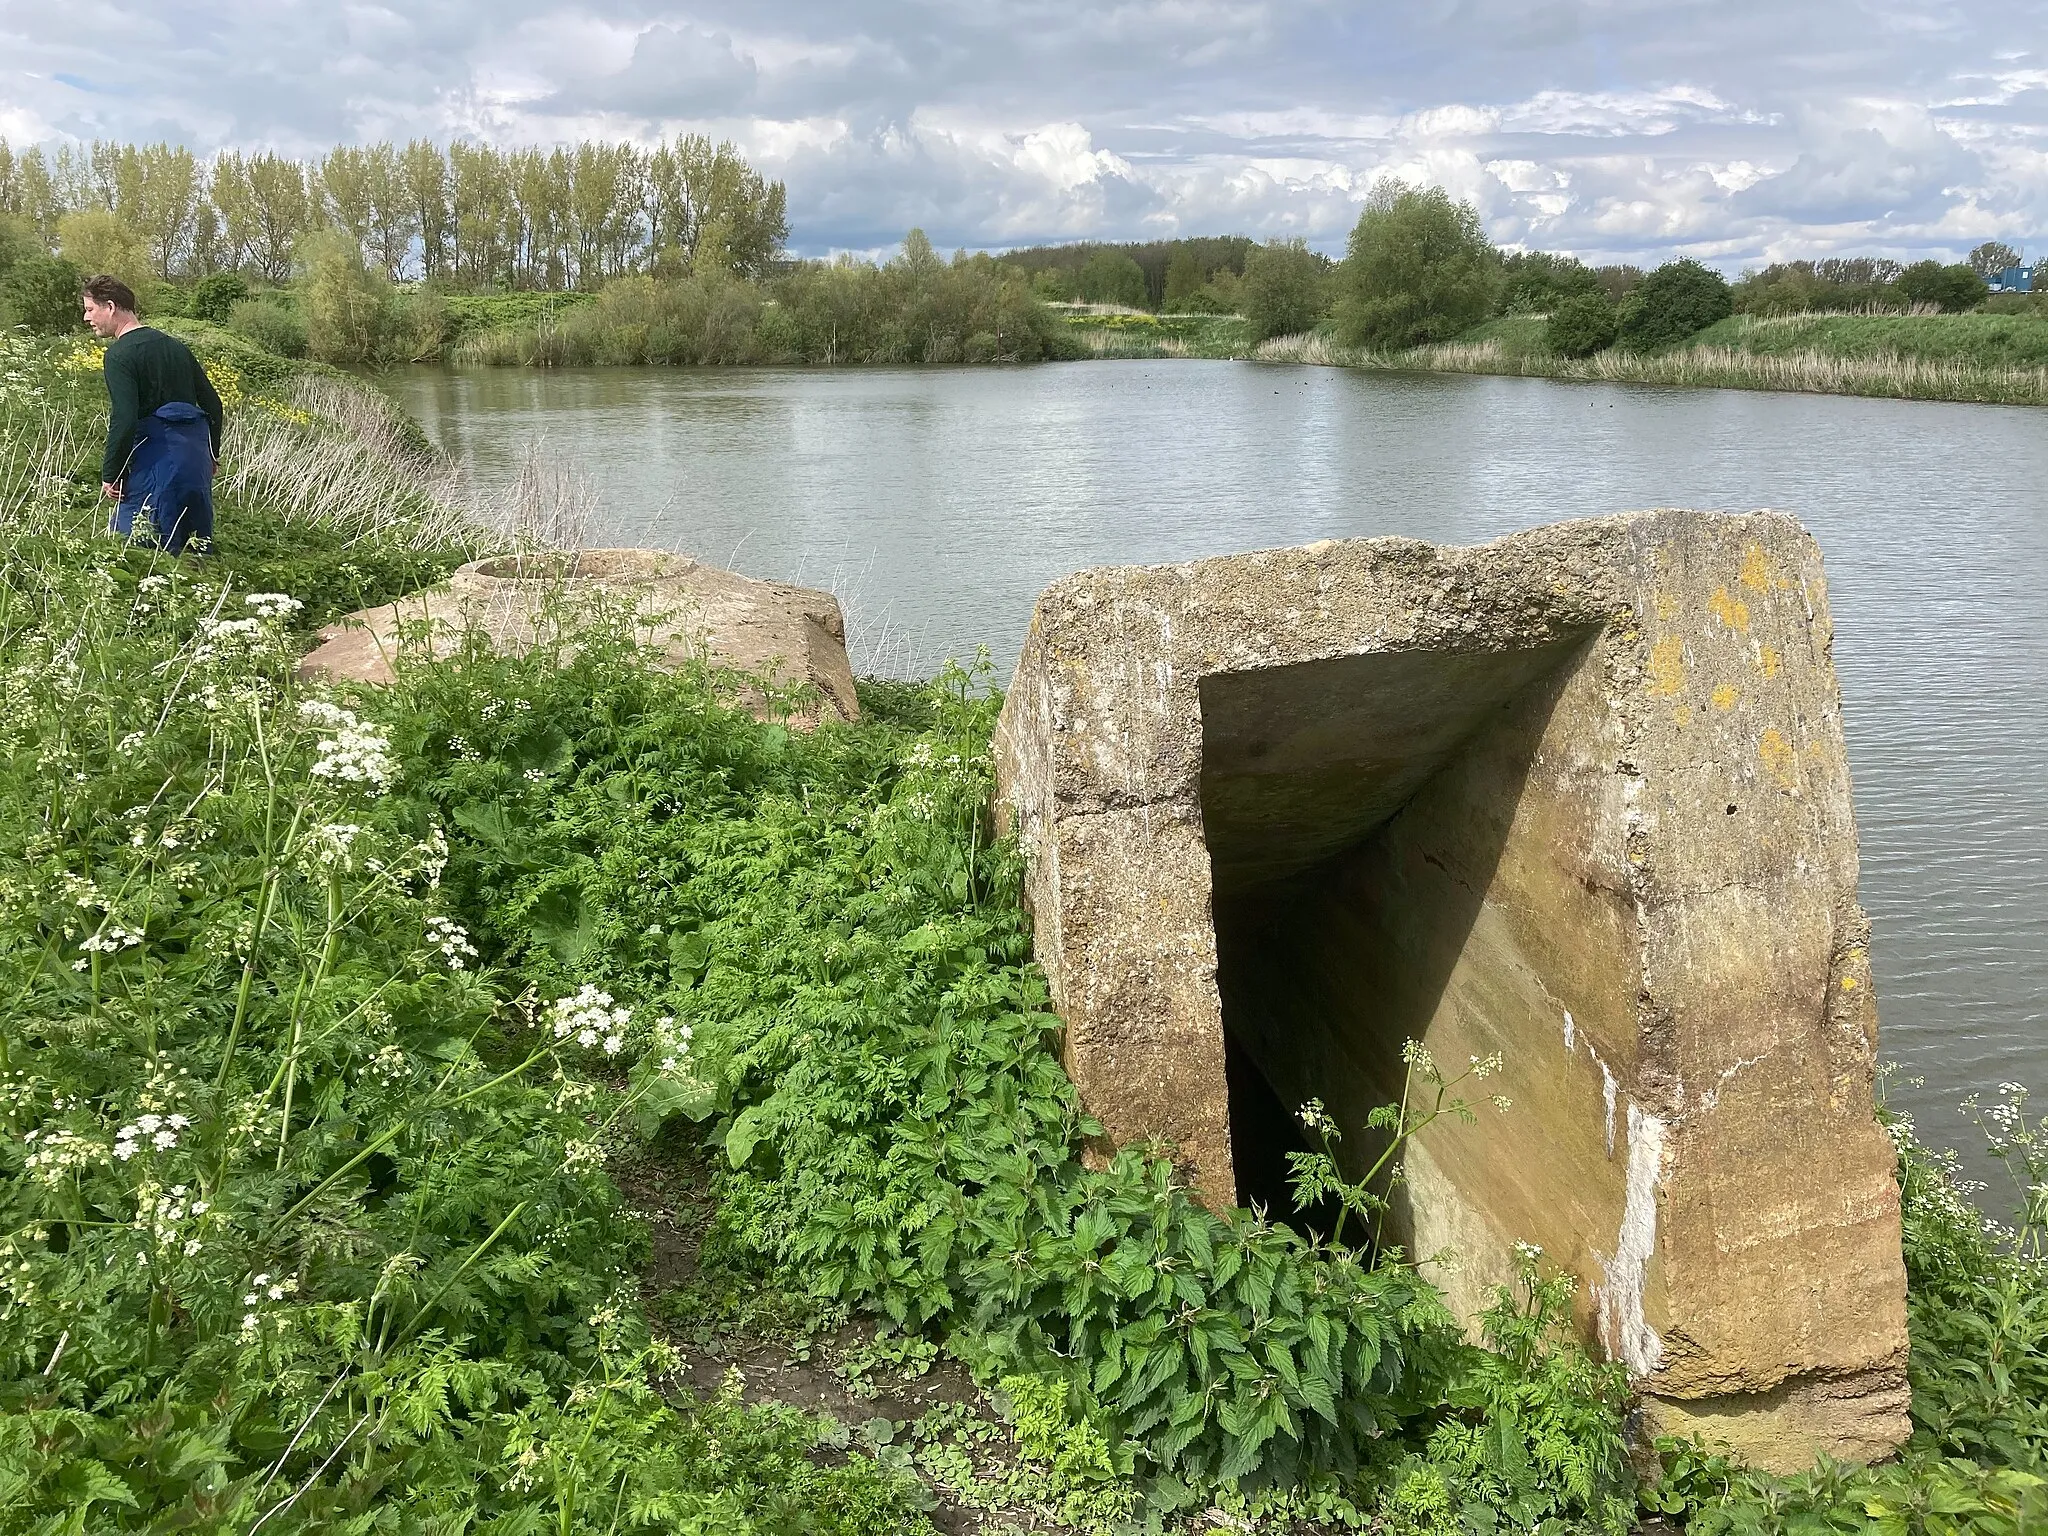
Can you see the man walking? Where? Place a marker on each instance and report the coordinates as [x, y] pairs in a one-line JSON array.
[[163, 429]]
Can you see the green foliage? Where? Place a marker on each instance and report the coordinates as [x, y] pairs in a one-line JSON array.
[[41, 292], [917, 308], [1126, 334], [1111, 277], [347, 307], [270, 325], [1979, 340], [1285, 289], [1992, 258], [1419, 269], [1678, 299], [1838, 283], [1581, 324], [97, 241], [1952, 288], [306, 1218], [1184, 283], [1538, 1432], [1536, 282], [18, 241]]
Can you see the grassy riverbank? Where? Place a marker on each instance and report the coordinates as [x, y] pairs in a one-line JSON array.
[[541, 1095], [1997, 359]]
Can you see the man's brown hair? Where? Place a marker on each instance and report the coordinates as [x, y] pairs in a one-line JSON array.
[[109, 290]]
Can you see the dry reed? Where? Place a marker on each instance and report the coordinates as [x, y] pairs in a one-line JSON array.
[[341, 456]]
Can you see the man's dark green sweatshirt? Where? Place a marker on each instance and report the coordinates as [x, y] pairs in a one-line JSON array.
[[146, 370]]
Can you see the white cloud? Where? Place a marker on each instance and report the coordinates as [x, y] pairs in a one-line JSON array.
[[1620, 129]]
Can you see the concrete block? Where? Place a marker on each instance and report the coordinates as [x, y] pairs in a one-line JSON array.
[[681, 607], [1579, 797]]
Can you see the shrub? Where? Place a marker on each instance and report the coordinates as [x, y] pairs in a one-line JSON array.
[[1111, 277], [1284, 290], [347, 307], [1536, 282], [1673, 302], [1184, 283], [270, 325], [1581, 325], [215, 295], [98, 242], [41, 292], [1955, 288], [1419, 269], [18, 241]]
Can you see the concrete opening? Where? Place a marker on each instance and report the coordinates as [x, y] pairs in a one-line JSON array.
[[1328, 959]]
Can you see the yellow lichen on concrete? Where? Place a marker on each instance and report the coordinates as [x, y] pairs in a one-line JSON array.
[[1667, 606], [1682, 716], [1732, 611], [1768, 660], [1778, 758], [1758, 573], [1667, 666], [1725, 697]]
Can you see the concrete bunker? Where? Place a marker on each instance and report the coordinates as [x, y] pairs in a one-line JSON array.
[[1577, 797]]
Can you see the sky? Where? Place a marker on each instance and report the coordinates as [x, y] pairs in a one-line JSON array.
[[1738, 131]]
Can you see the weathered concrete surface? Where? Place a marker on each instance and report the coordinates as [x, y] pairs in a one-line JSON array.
[[1579, 797], [681, 607]]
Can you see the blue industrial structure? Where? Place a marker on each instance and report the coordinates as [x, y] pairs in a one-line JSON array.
[[2014, 280]]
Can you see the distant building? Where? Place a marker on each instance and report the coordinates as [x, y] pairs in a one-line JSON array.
[[2014, 280]]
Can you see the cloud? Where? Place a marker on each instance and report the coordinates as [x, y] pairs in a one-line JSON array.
[[1738, 130]]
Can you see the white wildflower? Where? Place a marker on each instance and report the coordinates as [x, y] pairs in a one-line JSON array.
[[272, 605], [588, 1017], [449, 937], [351, 751]]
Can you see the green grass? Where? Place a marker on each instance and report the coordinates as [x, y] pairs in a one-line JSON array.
[[1137, 334], [471, 314], [1995, 359], [1974, 340]]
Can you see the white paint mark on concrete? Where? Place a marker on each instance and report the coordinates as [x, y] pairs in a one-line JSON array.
[[1570, 1032], [1711, 1098], [1607, 1093], [1623, 1329]]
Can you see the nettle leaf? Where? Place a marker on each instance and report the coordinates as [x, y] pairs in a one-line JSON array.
[[564, 922], [689, 954], [744, 1135]]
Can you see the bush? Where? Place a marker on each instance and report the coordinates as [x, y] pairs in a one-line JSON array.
[[41, 292], [1536, 282], [1581, 325], [18, 242], [99, 243], [1419, 269], [917, 309], [1954, 288], [347, 306], [1111, 277], [215, 295], [270, 325], [1285, 289], [1673, 302]]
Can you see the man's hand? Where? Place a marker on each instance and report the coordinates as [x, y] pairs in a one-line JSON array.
[[110, 489]]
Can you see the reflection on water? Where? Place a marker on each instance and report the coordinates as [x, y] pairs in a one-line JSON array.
[[939, 502]]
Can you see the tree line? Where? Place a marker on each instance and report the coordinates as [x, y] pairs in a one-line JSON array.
[[466, 215], [1419, 269]]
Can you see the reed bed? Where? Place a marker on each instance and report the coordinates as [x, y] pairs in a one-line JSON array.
[[1887, 375], [341, 456]]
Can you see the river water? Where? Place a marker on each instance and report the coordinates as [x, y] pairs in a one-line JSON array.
[[938, 502]]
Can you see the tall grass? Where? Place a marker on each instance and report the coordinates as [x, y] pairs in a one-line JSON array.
[[1704, 365]]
